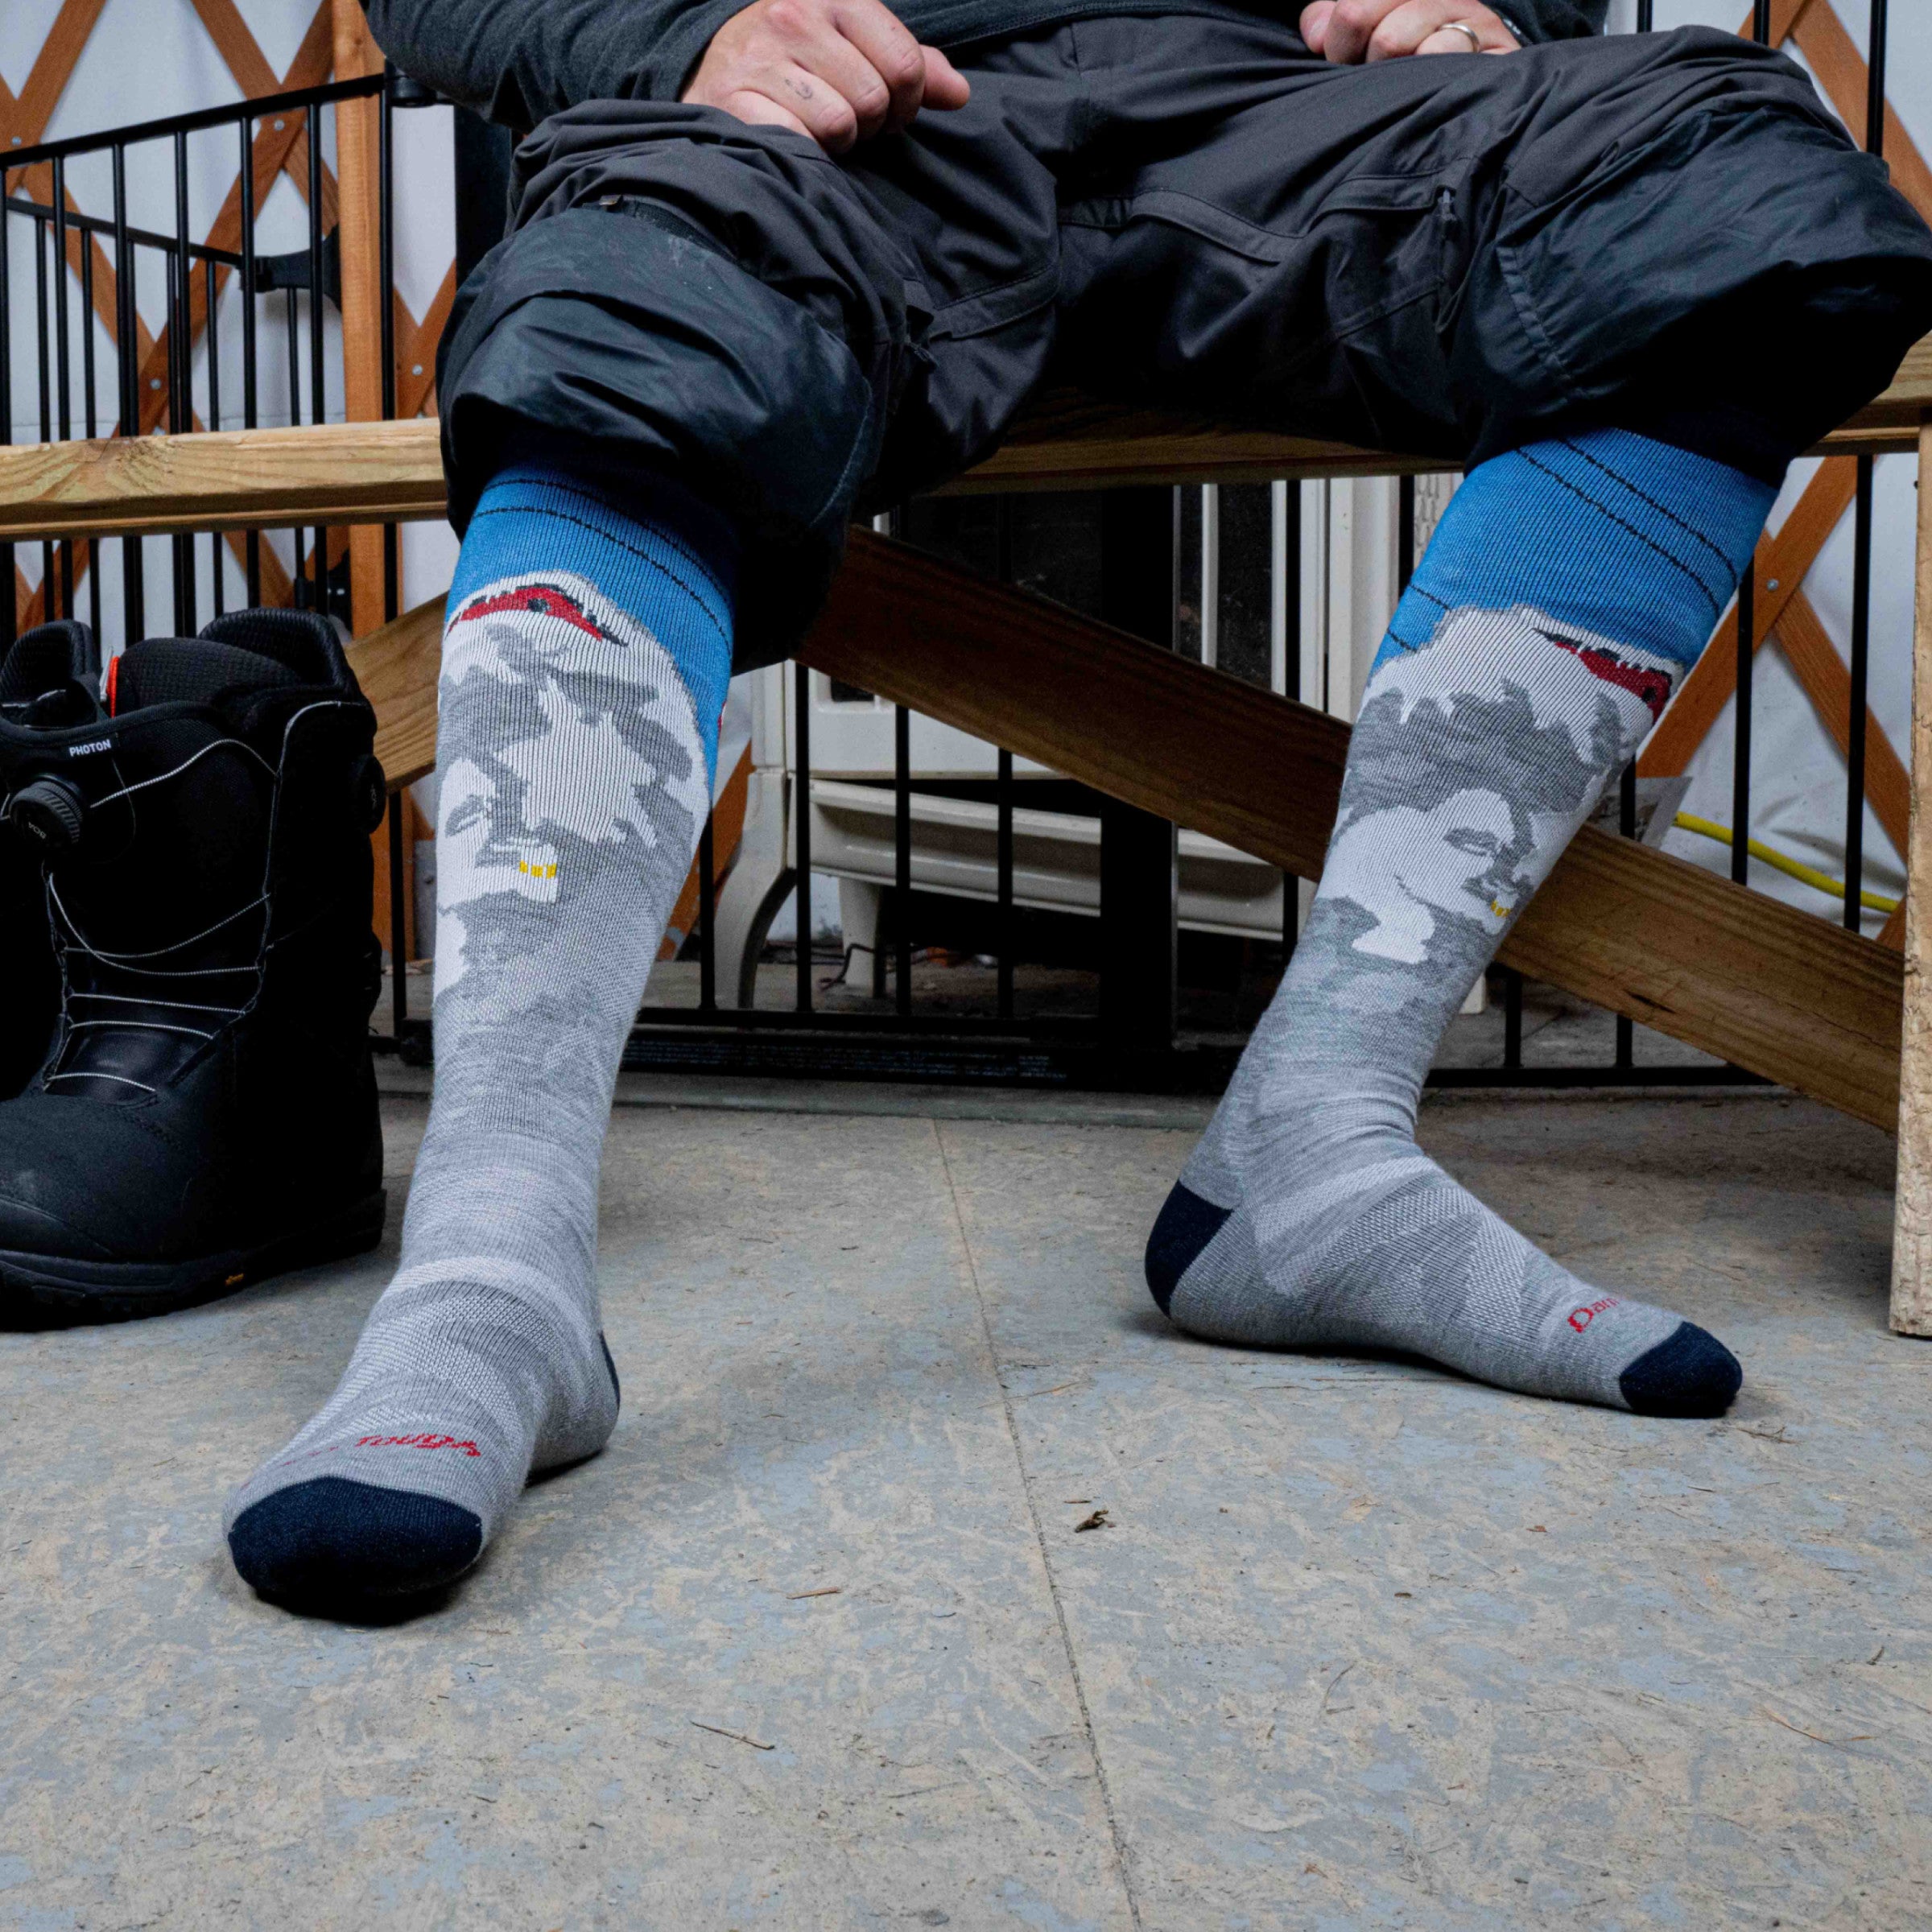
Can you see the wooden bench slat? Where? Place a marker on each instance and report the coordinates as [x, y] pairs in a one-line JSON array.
[[351, 472], [1715, 965]]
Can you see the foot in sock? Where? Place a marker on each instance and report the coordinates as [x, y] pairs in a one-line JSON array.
[[583, 670], [1570, 587]]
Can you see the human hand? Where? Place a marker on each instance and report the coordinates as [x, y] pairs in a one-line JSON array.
[[1347, 31], [837, 70]]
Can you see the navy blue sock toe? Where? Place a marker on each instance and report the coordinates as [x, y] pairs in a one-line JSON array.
[[330, 1541], [1688, 1373], [1184, 1227]]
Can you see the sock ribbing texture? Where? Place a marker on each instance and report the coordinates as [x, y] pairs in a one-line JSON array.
[[585, 664], [1570, 585]]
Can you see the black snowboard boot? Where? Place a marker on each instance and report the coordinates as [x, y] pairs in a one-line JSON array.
[[207, 1113], [40, 683]]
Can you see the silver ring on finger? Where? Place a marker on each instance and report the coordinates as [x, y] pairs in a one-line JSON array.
[[1467, 32]]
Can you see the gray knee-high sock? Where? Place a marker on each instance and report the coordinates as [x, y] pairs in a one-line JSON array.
[[578, 715], [1307, 1215]]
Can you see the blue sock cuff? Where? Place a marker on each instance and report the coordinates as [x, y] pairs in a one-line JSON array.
[[660, 553], [1615, 532]]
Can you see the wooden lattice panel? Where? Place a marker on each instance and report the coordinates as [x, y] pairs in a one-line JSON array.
[[336, 41]]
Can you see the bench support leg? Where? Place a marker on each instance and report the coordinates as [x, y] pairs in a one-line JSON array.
[[1912, 1238]]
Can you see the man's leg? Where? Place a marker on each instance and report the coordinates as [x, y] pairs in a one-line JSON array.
[[583, 668], [1525, 260], [1570, 587], [690, 299]]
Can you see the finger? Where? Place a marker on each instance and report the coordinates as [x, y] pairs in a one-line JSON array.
[[1315, 24], [1352, 23], [1403, 31], [886, 45], [946, 86], [761, 110], [840, 67]]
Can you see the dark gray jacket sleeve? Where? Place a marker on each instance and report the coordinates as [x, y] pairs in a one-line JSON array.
[[521, 60]]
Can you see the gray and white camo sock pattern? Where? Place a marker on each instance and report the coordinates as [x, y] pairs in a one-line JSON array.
[[1307, 1215], [574, 787]]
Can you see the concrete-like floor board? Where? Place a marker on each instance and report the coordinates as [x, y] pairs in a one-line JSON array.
[[809, 1406], [1362, 1644], [1366, 1645]]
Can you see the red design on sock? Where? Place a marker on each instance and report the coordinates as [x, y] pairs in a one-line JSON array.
[[542, 600], [1652, 687], [1581, 1317], [416, 1441]]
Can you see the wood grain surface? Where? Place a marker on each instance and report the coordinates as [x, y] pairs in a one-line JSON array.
[[1912, 1237], [342, 472]]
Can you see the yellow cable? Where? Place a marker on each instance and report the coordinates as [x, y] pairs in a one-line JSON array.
[[1818, 881]]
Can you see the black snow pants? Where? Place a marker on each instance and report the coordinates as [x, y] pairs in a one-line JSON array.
[[1452, 255]]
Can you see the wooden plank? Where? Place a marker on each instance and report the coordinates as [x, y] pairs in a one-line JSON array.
[[416, 343], [1066, 440], [1912, 1239], [397, 667], [1889, 423], [239, 480], [1781, 560], [1790, 996], [66, 39], [344, 471], [240, 50]]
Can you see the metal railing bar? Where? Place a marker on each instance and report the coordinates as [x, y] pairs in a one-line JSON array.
[[902, 859], [252, 544], [386, 277], [133, 588], [213, 336], [1875, 78], [1741, 744], [398, 975], [707, 915], [181, 400], [1626, 823], [318, 396], [104, 225], [41, 245], [801, 833], [788, 1019], [1008, 932], [296, 101]]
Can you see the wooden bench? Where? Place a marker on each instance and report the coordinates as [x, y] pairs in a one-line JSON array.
[[1788, 996]]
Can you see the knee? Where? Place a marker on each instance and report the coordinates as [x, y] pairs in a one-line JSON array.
[[642, 345]]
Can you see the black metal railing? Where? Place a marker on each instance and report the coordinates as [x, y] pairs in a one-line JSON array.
[[1125, 999]]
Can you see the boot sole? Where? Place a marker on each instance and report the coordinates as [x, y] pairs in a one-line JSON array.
[[45, 1290]]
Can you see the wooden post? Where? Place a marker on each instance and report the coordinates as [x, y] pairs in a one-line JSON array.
[[1912, 1237], [358, 135]]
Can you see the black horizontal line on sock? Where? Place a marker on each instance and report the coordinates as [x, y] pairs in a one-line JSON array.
[[590, 496], [1703, 590], [1642, 496]]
